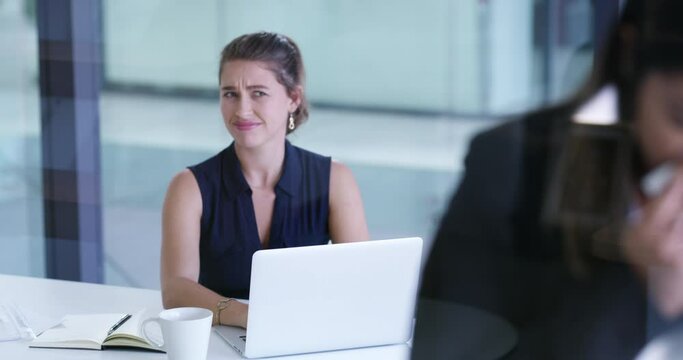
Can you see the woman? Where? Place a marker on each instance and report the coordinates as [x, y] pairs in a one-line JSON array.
[[261, 192], [565, 245]]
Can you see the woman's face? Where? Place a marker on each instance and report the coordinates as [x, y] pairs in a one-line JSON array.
[[254, 105], [659, 118]]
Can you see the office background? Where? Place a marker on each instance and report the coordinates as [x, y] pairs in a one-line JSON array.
[[397, 89]]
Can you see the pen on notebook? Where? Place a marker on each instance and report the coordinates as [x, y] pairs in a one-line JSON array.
[[118, 324]]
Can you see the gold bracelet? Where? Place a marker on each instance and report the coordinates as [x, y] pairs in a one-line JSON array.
[[222, 304]]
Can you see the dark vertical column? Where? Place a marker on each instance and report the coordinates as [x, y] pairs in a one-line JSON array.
[[606, 12], [70, 62]]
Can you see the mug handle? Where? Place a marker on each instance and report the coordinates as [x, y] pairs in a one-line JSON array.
[[144, 332]]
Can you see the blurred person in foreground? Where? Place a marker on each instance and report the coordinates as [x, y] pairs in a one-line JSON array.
[[551, 227]]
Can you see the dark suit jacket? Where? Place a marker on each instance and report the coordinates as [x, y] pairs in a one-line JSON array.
[[492, 251]]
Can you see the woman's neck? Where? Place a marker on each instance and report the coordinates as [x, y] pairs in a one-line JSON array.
[[261, 166]]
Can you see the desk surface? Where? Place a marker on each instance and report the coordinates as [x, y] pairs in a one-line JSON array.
[[55, 298], [447, 330], [443, 330]]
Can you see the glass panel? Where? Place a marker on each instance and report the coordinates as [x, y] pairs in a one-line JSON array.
[[571, 47], [396, 98], [440, 56], [21, 206]]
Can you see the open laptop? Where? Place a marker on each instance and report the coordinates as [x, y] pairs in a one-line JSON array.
[[329, 297]]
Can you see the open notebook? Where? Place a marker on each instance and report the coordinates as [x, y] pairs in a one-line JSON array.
[[90, 331]]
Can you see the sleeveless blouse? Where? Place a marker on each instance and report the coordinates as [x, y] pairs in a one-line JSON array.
[[229, 235]]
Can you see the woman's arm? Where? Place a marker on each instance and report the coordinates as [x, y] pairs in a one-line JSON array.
[[347, 217], [180, 253]]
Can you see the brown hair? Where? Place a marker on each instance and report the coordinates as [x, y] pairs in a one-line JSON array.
[[283, 57], [601, 165]]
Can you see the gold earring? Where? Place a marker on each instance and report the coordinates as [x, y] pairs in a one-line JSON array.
[[291, 122]]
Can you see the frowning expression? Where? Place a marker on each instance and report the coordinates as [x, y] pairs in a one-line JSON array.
[[254, 105]]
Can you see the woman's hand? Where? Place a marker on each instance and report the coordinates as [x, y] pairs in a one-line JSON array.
[[656, 239], [654, 245], [237, 312]]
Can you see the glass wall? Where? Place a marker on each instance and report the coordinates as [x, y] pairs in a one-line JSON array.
[[21, 214], [440, 56], [397, 88]]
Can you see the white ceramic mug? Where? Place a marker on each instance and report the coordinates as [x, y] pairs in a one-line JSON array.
[[185, 332]]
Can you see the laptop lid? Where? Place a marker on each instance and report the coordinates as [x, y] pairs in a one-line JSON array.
[[329, 297]]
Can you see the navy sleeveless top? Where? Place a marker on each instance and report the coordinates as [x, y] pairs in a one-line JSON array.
[[229, 235]]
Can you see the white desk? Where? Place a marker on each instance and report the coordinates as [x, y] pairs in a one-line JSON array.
[[55, 298]]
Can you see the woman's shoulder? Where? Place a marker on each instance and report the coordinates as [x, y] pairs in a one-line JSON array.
[[203, 177], [339, 170], [312, 165], [183, 188], [183, 180], [540, 120], [308, 155], [212, 164], [530, 129]]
